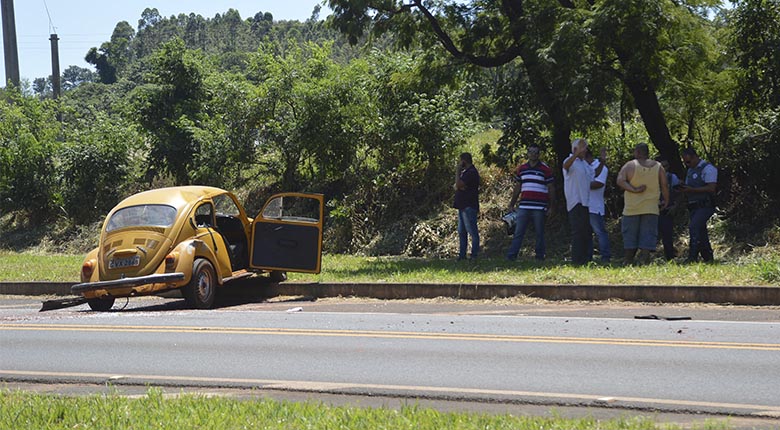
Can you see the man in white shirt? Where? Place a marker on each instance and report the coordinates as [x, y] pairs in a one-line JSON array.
[[596, 209], [577, 177]]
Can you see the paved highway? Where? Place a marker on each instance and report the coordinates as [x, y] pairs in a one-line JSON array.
[[582, 355]]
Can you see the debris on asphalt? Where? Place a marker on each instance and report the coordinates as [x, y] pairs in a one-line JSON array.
[[656, 317]]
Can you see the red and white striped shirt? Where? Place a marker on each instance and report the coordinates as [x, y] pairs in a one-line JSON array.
[[533, 185]]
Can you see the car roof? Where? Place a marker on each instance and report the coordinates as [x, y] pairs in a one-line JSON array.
[[177, 197]]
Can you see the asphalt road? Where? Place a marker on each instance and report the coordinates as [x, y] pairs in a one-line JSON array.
[[724, 360]]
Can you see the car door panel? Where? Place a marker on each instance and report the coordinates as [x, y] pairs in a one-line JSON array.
[[287, 234]]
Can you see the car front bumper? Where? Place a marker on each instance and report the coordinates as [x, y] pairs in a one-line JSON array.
[[158, 278]]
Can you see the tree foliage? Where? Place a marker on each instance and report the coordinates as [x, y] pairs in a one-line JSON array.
[[757, 43], [169, 107], [28, 138], [94, 167]]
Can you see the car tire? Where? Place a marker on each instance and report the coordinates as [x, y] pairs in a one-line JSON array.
[[199, 293], [277, 276], [101, 305]]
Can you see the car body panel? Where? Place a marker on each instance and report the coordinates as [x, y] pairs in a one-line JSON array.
[[144, 249]]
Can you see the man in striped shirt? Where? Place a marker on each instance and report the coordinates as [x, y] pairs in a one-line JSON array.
[[534, 187]]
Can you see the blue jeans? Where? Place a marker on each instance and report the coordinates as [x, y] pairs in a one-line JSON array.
[[700, 239], [600, 229], [640, 231], [524, 216], [467, 226]]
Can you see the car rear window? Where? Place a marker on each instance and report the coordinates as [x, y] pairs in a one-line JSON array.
[[142, 215]]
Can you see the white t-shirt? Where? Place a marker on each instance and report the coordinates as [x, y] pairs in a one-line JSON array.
[[596, 203], [576, 183]]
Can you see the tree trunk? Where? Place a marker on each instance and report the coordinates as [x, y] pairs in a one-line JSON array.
[[646, 101]]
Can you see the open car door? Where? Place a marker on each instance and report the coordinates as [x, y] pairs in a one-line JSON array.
[[287, 234]]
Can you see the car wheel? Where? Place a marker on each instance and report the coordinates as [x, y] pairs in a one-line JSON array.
[[200, 291], [101, 305], [277, 276]]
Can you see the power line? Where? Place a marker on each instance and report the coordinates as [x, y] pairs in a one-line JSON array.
[[52, 28]]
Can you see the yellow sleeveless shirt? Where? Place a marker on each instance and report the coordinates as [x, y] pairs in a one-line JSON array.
[[645, 202]]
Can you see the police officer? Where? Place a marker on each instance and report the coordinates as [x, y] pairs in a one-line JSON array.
[[699, 188]]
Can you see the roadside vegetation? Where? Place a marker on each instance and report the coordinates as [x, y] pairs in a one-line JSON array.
[[27, 411], [371, 110]]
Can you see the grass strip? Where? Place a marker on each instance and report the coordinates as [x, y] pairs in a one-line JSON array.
[[23, 410], [26, 267]]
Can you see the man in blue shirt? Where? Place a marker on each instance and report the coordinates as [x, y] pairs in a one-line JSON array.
[[700, 183], [467, 203]]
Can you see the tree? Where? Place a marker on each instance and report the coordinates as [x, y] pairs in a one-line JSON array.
[[491, 34], [228, 133], [94, 165], [74, 76], [42, 87], [555, 41], [169, 107], [311, 112], [28, 140], [114, 56], [757, 44], [422, 112], [642, 34]]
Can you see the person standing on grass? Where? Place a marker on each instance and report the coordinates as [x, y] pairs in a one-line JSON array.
[[577, 177], [700, 183], [596, 206], [643, 181], [666, 216], [534, 187], [467, 203]]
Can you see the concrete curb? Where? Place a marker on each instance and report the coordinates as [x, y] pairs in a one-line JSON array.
[[740, 295], [36, 288]]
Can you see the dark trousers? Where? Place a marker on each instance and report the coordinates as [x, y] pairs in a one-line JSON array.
[[581, 234], [666, 231], [700, 239]]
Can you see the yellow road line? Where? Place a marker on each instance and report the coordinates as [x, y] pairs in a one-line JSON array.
[[390, 335], [318, 386]]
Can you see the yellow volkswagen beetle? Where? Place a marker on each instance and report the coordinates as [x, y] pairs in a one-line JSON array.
[[197, 238]]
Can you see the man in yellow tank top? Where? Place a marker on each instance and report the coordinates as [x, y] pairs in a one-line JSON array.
[[644, 181]]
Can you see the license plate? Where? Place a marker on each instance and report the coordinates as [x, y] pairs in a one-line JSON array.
[[118, 263]]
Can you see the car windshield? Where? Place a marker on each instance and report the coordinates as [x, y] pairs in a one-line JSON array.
[[142, 215]]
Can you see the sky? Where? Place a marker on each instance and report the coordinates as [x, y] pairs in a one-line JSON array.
[[82, 24]]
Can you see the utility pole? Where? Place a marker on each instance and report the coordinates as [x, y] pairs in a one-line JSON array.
[[55, 66], [9, 43]]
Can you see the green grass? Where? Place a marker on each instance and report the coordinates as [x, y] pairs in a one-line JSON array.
[[39, 267], [348, 268], [342, 268], [23, 410]]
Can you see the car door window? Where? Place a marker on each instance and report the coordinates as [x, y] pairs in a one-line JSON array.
[[226, 206], [293, 208], [204, 215]]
